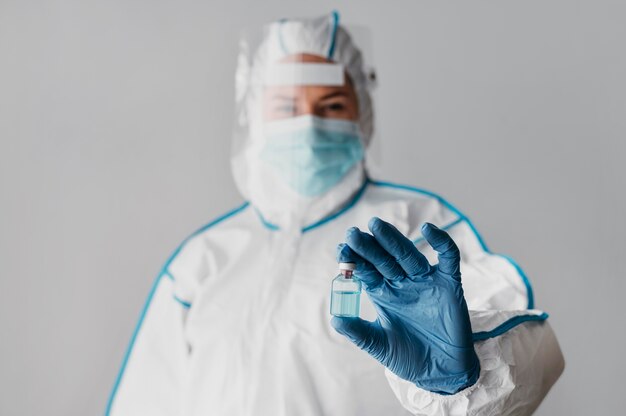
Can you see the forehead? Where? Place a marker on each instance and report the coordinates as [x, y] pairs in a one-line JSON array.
[[307, 91], [304, 57], [304, 91]]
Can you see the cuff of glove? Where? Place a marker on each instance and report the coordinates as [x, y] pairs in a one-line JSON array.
[[504, 358], [416, 398], [454, 384]]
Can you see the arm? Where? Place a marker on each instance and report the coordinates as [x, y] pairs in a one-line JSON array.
[[149, 381], [518, 351], [518, 367], [423, 334]]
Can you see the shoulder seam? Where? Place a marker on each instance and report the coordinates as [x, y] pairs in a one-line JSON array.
[[205, 227], [525, 280], [507, 325], [414, 189], [131, 344], [164, 272]]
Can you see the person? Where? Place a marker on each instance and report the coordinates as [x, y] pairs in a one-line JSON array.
[[238, 323]]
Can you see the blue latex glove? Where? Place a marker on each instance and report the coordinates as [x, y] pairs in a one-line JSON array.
[[423, 332]]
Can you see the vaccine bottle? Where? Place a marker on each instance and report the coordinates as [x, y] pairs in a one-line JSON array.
[[345, 297]]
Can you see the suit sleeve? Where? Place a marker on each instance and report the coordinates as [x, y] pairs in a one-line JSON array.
[[518, 367], [519, 354], [151, 377]]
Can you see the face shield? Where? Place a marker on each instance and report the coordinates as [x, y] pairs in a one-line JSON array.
[[304, 119]]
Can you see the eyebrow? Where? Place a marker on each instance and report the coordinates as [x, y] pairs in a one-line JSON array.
[[325, 97], [283, 97], [334, 94]]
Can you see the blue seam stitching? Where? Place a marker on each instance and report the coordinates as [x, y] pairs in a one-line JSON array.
[[529, 289], [441, 200], [281, 42], [202, 229], [507, 326], [339, 213], [351, 204], [168, 274], [265, 222], [333, 35], [523, 276], [131, 344], [164, 272], [184, 303]]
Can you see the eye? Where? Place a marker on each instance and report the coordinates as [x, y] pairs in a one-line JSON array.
[[285, 109], [336, 107]]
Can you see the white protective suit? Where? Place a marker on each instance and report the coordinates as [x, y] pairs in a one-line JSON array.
[[238, 322]]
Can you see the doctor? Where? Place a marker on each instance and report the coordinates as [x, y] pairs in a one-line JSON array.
[[237, 322]]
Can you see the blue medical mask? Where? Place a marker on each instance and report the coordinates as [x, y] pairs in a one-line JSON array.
[[312, 154]]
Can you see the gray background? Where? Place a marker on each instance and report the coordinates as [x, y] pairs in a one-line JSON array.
[[115, 120]]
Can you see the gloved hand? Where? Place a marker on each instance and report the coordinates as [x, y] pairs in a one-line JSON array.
[[423, 332]]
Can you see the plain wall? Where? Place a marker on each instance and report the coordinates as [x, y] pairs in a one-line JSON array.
[[115, 122]]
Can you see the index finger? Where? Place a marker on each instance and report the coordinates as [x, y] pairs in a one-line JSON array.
[[401, 248], [365, 271]]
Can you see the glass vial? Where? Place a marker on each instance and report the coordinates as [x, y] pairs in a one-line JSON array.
[[345, 297]]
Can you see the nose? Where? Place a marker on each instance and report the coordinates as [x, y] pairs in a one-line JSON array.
[[310, 109]]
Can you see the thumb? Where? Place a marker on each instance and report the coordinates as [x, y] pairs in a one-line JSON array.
[[368, 336]]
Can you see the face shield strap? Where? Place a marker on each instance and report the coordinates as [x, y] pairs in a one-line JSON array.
[[323, 74]]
